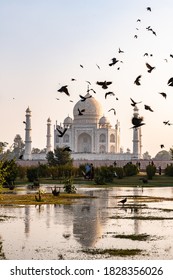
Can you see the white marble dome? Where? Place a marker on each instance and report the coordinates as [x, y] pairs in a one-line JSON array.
[[93, 110], [103, 120], [68, 120]]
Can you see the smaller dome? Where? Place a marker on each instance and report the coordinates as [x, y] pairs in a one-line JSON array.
[[68, 120], [28, 110], [103, 120], [49, 120]]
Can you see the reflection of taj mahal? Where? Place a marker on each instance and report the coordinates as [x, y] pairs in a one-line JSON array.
[[89, 135], [90, 132]]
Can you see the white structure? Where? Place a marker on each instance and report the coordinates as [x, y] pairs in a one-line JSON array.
[[89, 133], [27, 153], [137, 138], [48, 142]]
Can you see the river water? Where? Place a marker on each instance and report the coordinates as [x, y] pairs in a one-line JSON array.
[[72, 231]]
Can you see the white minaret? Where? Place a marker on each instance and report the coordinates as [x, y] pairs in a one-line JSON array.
[[137, 138], [117, 137], [27, 153], [48, 144]]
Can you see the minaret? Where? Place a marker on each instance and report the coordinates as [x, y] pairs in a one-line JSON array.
[[27, 153], [48, 145], [117, 137], [137, 137]]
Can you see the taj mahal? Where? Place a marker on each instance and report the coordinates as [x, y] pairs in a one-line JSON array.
[[89, 135]]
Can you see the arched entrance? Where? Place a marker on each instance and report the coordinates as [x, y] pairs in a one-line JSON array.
[[84, 144]]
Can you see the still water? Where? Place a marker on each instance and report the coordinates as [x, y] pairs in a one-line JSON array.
[[65, 231]]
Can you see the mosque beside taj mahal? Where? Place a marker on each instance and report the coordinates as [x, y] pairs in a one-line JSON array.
[[89, 135]]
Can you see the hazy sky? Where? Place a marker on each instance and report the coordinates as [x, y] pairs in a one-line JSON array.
[[43, 43]]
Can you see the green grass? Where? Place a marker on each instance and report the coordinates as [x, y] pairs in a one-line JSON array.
[[157, 181]]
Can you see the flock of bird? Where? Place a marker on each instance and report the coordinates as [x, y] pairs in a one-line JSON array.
[[136, 121]]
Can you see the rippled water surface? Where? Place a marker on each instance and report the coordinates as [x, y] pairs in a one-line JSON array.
[[71, 231]]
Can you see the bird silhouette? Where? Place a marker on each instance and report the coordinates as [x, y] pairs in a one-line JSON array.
[[64, 89], [171, 55], [120, 51], [109, 93], [55, 192], [80, 112], [24, 122], [145, 54], [137, 122], [134, 102], [162, 146], [83, 98], [98, 66], [170, 82], [147, 107], [61, 133], [81, 65], [150, 68], [137, 81], [73, 79], [163, 94], [123, 201], [112, 109], [167, 123], [144, 180], [67, 149], [138, 20], [114, 61], [135, 36], [148, 9], [104, 84]]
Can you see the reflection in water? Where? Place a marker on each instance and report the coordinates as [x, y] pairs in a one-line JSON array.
[[48, 231]]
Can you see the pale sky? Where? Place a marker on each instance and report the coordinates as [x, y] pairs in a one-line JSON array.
[[43, 43]]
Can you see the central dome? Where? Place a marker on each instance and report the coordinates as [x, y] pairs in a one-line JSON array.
[[93, 110]]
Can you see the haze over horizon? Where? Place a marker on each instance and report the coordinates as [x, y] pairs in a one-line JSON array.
[[43, 44]]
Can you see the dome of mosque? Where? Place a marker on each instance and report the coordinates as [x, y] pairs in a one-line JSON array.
[[68, 120], [93, 110], [103, 120]]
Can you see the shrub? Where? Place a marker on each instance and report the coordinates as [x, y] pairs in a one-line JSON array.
[[169, 170], [68, 186], [151, 171], [120, 172], [32, 174], [130, 169], [104, 175]]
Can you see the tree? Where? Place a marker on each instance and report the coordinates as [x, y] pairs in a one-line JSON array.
[[10, 172], [59, 157]]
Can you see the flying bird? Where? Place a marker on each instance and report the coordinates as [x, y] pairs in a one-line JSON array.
[[81, 65], [171, 55], [112, 109], [166, 122], [150, 68], [72, 79], [170, 82], [134, 102], [148, 108], [145, 54], [64, 89], [104, 84], [135, 36], [80, 112], [98, 66], [61, 133], [120, 51], [137, 81], [114, 61], [109, 93], [24, 122], [138, 20], [162, 146], [148, 9], [83, 98], [137, 122], [163, 94]]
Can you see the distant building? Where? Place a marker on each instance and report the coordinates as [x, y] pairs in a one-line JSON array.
[[89, 134]]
